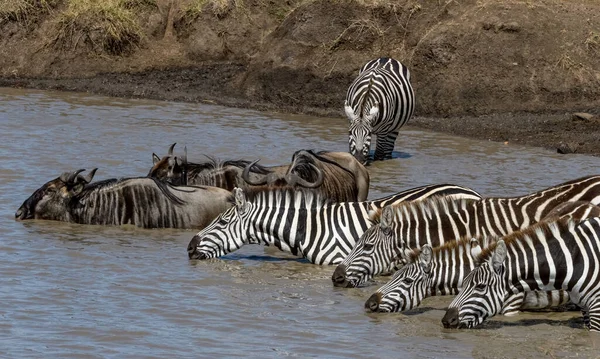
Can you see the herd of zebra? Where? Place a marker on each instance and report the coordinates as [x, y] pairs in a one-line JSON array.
[[497, 255]]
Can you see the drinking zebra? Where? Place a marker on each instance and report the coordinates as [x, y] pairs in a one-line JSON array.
[[441, 270], [434, 221], [563, 254], [379, 102], [300, 222]]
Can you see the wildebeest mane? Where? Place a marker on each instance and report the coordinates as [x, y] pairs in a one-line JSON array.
[[164, 187], [193, 169]]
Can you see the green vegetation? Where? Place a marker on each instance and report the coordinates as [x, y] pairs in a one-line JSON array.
[[109, 26]]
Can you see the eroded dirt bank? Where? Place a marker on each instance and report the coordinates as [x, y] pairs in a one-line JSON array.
[[500, 70]]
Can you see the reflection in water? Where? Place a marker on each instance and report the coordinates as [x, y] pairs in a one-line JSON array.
[[81, 291]]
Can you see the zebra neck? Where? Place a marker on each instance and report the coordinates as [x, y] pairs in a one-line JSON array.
[[558, 259], [322, 234], [449, 266], [416, 226]]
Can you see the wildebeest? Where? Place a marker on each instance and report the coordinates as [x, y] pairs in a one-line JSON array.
[[143, 202], [225, 174], [336, 175]]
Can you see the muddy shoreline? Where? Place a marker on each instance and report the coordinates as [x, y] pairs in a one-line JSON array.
[[555, 131]]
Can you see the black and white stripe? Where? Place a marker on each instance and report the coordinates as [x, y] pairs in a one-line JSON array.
[[378, 102], [434, 221], [300, 222], [563, 254], [441, 271]]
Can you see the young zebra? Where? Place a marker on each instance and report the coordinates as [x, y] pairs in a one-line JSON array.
[[434, 221], [379, 101], [563, 254], [441, 270], [300, 222]]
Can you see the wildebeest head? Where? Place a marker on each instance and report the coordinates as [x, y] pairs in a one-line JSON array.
[[291, 178], [50, 200], [360, 131], [170, 168]]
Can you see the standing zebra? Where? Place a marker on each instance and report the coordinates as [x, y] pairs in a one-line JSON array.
[[556, 255], [379, 102], [300, 222], [434, 221]]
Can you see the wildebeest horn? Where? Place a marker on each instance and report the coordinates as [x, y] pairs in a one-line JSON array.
[[90, 175], [304, 183], [246, 175], [69, 177], [170, 152]]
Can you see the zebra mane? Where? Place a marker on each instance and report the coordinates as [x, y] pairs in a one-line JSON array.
[[215, 164], [535, 232], [448, 246], [427, 206], [266, 195], [165, 188]]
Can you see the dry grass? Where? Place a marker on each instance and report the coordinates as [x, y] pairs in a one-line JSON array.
[[109, 26], [592, 43], [219, 8], [24, 11]]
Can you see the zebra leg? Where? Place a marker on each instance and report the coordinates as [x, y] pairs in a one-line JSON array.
[[592, 319], [586, 317], [542, 300], [512, 304], [385, 146]]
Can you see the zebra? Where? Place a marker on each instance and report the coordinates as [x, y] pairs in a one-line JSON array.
[[436, 220], [300, 222], [441, 270], [379, 101], [563, 254]]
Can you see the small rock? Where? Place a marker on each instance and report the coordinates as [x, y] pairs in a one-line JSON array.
[[582, 116], [510, 27], [566, 148]]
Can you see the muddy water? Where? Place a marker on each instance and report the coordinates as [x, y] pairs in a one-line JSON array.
[[87, 291]]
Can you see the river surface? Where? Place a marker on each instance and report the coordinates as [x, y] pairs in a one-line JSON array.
[[76, 291]]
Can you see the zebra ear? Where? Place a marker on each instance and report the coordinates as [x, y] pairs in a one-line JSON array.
[[155, 158], [475, 248], [387, 216], [240, 197], [425, 257], [373, 112], [349, 112], [498, 256]]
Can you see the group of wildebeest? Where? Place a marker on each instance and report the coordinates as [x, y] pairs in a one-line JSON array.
[[497, 255]]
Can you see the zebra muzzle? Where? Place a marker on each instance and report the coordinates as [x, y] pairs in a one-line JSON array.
[[450, 319], [372, 304], [339, 277]]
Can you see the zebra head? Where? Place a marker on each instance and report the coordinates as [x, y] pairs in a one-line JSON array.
[[52, 200], [225, 234], [373, 254], [359, 134], [483, 291], [407, 288]]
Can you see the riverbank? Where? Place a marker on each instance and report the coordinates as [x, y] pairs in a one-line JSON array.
[[510, 71]]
